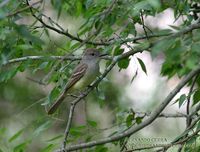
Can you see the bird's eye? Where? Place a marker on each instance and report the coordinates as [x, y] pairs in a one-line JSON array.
[[92, 54]]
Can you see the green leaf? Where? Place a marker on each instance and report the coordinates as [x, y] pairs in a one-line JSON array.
[[182, 99], [41, 66], [130, 29], [78, 8], [164, 32], [21, 147], [143, 46], [195, 47], [42, 128], [55, 138], [155, 3], [24, 47], [161, 45], [2, 131], [48, 148], [142, 5], [22, 67], [75, 45], [16, 135], [113, 133], [75, 132], [78, 131], [170, 68], [118, 51], [123, 64], [108, 31], [129, 119], [192, 62], [198, 126], [5, 76], [138, 120], [196, 35], [84, 30], [177, 28], [190, 145], [92, 123], [174, 51], [53, 95], [142, 65], [134, 76], [101, 148], [196, 97], [24, 32]]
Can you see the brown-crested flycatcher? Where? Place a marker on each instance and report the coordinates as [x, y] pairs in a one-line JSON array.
[[82, 76]]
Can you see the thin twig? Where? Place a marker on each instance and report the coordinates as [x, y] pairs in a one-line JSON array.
[[66, 33], [123, 146], [143, 25], [95, 83], [36, 81], [23, 9], [155, 113], [21, 59], [195, 110], [69, 122], [149, 147], [164, 115], [188, 120], [148, 121], [30, 106], [186, 130], [108, 10], [52, 21]]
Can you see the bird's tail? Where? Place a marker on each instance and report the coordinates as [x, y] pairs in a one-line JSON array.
[[56, 104]]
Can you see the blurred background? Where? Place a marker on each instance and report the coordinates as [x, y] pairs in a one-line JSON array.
[[24, 122]]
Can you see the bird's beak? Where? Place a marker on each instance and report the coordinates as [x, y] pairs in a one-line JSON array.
[[103, 55]]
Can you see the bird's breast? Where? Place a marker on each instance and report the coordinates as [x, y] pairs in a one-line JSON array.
[[90, 75]]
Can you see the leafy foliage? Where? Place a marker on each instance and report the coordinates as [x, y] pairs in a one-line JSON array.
[[109, 25]]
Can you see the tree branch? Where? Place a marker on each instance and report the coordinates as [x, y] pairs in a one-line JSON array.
[[195, 110], [186, 131], [164, 115], [145, 123], [69, 121], [154, 114], [71, 58], [23, 9], [188, 120], [66, 33]]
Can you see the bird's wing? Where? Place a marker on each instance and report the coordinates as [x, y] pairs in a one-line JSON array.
[[77, 74]]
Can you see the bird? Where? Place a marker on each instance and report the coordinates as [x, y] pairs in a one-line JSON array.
[[82, 76]]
